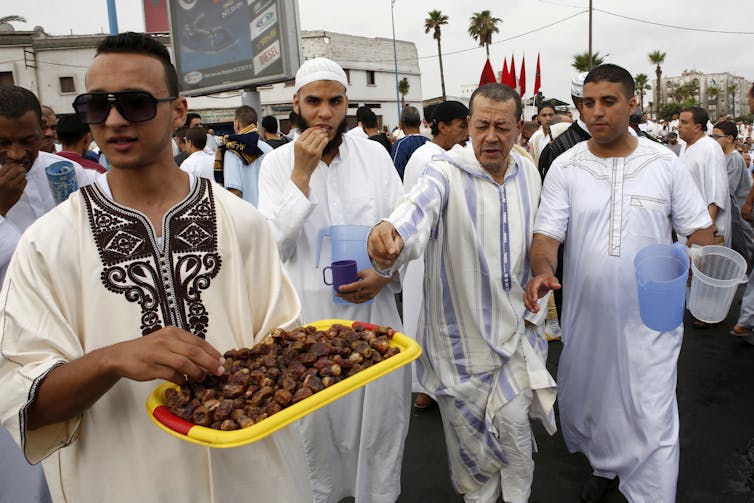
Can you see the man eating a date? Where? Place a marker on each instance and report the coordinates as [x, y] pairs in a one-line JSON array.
[[324, 178], [147, 274]]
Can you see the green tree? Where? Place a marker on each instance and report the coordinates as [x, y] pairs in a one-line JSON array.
[[657, 58], [731, 91], [641, 80], [482, 26], [686, 93], [667, 110], [581, 61], [714, 92], [433, 23], [403, 87]]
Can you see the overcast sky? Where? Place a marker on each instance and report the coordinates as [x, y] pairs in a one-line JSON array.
[[626, 41]]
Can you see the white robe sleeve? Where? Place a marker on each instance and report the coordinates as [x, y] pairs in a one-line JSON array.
[[9, 236], [281, 201], [689, 210], [34, 338], [417, 214], [554, 206]]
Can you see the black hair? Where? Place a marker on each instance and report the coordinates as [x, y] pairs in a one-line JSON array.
[[139, 43], [497, 92], [15, 101], [361, 112], [197, 136], [446, 112], [70, 129], [191, 116], [700, 116], [728, 128], [270, 124], [615, 74], [246, 115], [410, 117], [369, 119], [180, 133]]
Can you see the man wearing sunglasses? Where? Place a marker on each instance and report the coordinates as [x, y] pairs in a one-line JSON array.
[[147, 274]]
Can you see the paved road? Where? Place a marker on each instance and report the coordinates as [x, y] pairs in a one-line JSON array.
[[716, 403]]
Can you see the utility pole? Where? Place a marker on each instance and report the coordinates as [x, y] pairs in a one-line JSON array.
[[395, 58], [590, 35]]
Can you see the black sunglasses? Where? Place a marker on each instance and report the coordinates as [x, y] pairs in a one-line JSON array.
[[134, 106]]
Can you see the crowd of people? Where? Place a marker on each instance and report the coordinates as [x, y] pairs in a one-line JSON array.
[[180, 245]]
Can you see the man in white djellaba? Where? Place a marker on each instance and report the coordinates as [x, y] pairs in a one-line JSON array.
[[354, 446], [605, 199]]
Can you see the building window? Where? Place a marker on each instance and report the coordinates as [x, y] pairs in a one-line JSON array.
[[67, 86], [290, 83], [348, 75], [6, 79], [370, 77]]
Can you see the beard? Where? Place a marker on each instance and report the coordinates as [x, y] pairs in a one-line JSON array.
[[333, 144]]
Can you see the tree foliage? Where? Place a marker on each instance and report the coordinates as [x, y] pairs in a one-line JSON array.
[[581, 61], [481, 28], [434, 23]]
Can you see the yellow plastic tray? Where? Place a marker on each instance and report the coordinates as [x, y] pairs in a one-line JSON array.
[[190, 432]]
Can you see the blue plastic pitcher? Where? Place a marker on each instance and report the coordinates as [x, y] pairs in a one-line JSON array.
[[347, 242], [661, 273]]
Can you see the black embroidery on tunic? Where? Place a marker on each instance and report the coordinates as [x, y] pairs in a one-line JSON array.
[[167, 283]]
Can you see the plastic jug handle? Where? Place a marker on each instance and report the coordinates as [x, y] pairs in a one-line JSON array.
[[322, 233]]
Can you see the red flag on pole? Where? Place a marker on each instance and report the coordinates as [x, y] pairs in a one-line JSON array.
[[506, 73], [537, 82], [488, 74], [514, 81], [522, 78]]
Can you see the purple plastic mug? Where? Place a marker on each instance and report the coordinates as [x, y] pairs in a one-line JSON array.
[[343, 272]]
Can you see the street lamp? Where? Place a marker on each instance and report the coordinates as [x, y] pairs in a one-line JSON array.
[[395, 59]]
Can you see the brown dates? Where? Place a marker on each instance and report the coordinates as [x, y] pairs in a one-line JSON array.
[[285, 368]]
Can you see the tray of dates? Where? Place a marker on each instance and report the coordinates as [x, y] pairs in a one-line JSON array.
[[286, 376]]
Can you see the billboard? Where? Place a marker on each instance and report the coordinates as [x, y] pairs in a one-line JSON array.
[[232, 44]]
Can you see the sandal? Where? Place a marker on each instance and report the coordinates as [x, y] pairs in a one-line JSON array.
[[740, 331]]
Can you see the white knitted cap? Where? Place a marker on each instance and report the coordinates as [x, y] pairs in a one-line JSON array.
[[319, 69], [577, 85]]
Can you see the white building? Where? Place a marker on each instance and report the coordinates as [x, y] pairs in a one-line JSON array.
[[732, 98], [53, 67]]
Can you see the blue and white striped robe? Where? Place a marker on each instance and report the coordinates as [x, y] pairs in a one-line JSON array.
[[478, 353]]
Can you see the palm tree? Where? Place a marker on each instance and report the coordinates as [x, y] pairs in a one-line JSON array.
[[715, 93], [657, 58], [581, 61], [403, 87], [641, 80], [435, 20], [481, 28], [731, 91]]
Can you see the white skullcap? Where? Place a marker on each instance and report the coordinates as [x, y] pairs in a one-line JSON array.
[[577, 85], [319, 69]]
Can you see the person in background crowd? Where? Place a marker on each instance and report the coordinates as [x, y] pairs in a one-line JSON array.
[[616, 377], [74, 139], [164, 254], [369, 123], [49, 130], [180, 141], [706, 162], [485, 363], [543, 135], [239, 157], [739, 186], [672, 143], [270, 132], [402, 149], [198, 163], [193, 119], [354, 446], [293, 131], [744, 327], [358, 129]]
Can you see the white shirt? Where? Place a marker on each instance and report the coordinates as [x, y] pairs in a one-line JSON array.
[[617, 378], [35, 201], [357, 132], [342, 441], [201, 164], [706, 163]]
